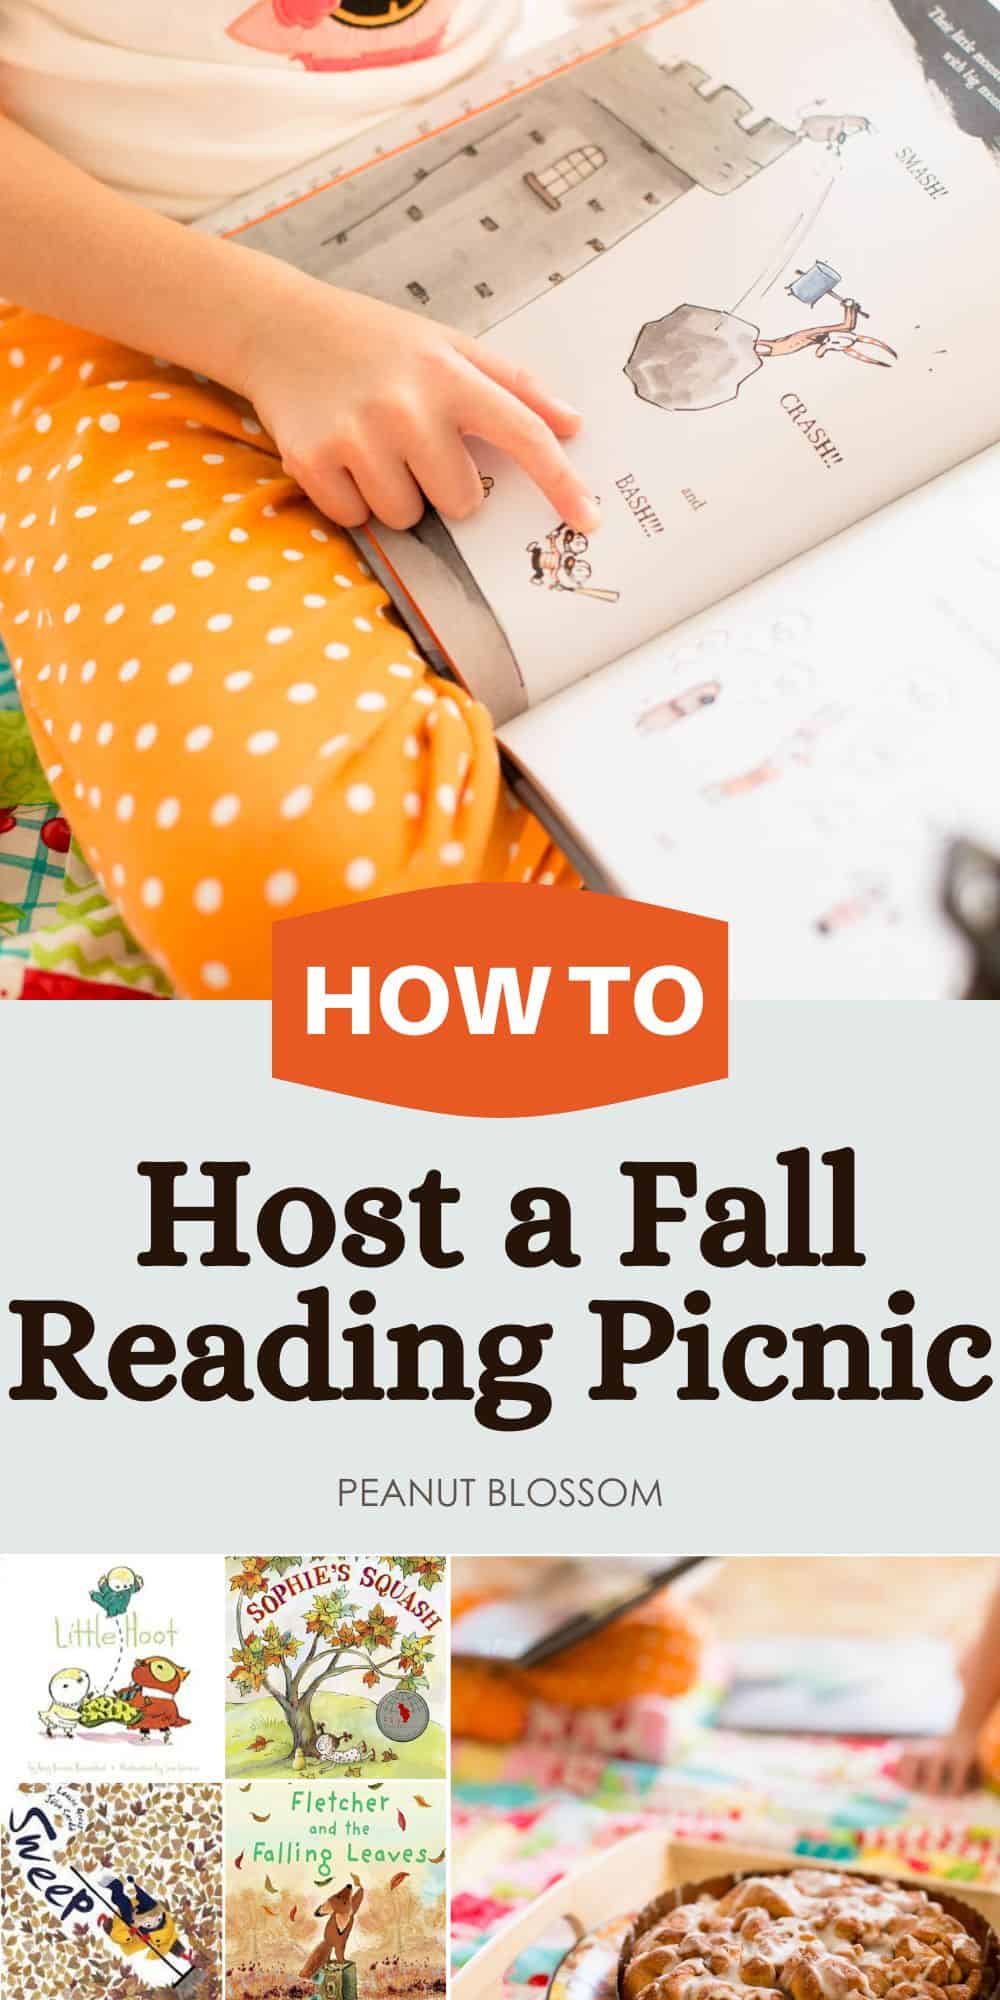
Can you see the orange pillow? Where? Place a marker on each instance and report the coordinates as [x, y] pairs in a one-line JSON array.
[[486, 1704], [989, 1748], [655, 1649]]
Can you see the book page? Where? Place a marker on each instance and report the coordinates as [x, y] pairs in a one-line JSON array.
[[753, 250], [397, 212], [797, 759], [790, 318]]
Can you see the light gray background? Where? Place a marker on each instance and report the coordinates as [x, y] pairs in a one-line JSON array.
[[90, 1090]]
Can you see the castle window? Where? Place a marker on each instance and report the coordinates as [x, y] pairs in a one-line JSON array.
[[487, 222], [484, 290], [415, 214], [553, 183], [418, 292]]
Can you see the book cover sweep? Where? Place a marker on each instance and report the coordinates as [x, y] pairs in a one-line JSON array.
[[335, 1891], [338, 1664], [113, 1891], [118, 1662]]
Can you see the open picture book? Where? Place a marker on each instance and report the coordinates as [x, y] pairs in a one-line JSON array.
[[759, 248]]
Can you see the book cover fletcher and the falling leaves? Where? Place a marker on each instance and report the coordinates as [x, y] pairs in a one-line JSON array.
[[337, 1665], [335, 1890], [113, 1891]]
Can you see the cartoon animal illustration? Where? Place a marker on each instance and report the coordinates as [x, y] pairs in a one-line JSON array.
[[340, 1911], [798, 749], [155, 1681], [853, 909], [560, 563], [322, 35], [830, 130], [140, 1926], [116, 1590], [841, 338], [664, 714], [698, 357], [68, 1690]]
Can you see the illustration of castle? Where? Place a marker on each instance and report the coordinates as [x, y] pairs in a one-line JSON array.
[[476, 222]]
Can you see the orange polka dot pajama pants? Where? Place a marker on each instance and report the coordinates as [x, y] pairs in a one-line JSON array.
[[227, 708]]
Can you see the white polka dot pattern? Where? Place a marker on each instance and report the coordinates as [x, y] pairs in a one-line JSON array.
[[232, 715]]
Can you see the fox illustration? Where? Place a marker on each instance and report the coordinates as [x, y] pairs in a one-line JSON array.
[[340, 1911]]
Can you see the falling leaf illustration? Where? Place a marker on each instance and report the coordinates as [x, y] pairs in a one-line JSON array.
[[435, 1858], [246, 1788], [261, 1818], [401, 1820], [397, 1879], [269, 1886], [238, 1863], [418, 1800], [293, 1913]]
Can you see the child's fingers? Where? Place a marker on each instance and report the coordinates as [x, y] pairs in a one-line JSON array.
[[335, 493], [560, 416], [447, 473], [490, 412], [388, 486], [962, 1773], [940, 1769], [912, 1769]]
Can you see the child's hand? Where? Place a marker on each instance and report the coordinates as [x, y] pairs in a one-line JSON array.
[[943, 1766], [370, 408]]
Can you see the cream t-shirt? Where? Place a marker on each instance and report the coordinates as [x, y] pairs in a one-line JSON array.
[[186, 104]]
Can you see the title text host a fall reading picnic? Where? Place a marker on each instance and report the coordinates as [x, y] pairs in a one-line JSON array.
[[627, 1346]]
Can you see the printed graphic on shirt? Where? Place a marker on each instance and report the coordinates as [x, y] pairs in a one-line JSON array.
[[335, 1890], [111, 1891], [325, 37], [117, 1665], [338, 1664]]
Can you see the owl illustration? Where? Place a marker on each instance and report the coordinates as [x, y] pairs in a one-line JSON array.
[[115, 1591], [357, 34]]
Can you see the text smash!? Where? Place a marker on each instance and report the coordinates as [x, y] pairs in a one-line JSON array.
[[416, 1000]]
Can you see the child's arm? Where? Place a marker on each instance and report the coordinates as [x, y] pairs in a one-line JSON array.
[[951, 1764], [369, 406]]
